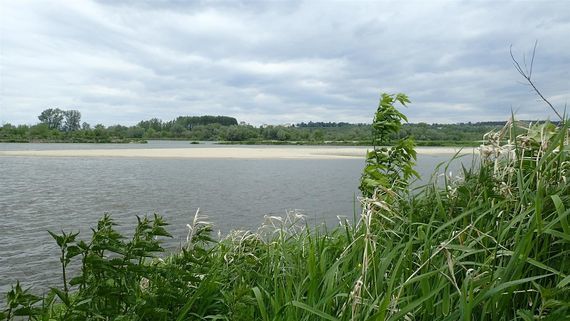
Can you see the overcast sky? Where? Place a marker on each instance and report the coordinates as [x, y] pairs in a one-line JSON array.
[[281, 61]]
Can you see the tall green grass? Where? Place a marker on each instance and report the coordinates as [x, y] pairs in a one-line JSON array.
[[492, 244]]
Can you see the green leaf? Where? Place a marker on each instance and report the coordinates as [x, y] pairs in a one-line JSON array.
[[314, 311], [73, 251], [260, 303], [564, 282], [62, 296], [503, 286], [76, 280], [58, 239], [560, 209]]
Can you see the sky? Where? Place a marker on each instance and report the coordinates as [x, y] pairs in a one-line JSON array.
[[277, 62]]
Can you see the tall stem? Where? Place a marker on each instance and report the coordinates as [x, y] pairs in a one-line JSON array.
[[63, 270]]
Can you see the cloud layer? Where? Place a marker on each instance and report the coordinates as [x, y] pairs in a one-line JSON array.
[[279, 62]]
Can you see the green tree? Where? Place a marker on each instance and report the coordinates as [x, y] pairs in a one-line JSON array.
[[283, 134], [135, 132], [117, 130], [177, 130], [100, 131], [72, 120], [53, 118], [150, 133], [154, 123], [318, 135], [40, 131]]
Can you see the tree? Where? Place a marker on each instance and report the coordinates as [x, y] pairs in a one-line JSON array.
[[135, 132], [150, 133], [40, 131], [283, 135], [117, 131], [177, 130], [154, 123], [100, 130], [53, 118], [318, 135], [72, 120]]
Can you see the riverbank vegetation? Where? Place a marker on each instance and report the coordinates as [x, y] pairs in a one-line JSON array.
[[489, 243], [64, 126]]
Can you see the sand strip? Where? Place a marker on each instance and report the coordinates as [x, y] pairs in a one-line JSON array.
[[227, 152]]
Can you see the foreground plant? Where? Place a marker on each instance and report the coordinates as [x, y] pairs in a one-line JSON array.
[[388, 167]]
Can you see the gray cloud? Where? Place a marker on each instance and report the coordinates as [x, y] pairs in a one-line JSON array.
[[276, 62]]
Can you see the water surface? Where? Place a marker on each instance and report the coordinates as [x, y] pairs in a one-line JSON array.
[[39, 194]]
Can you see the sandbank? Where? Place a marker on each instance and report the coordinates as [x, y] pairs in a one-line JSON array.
[[244, 152]]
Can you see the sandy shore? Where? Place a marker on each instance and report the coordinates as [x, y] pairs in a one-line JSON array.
[[227, 152]]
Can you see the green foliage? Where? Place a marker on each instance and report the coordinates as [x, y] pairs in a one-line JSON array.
[[72, 120], [61, 120], [190, 121], [53, 118], [116, 277], [239, 133], [64, 126], [388, 167], [20, 303]]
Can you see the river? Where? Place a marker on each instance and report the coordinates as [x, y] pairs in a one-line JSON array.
[[38, 194]]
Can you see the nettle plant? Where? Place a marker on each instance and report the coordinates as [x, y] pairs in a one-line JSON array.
[[388, 167], [112, 276]]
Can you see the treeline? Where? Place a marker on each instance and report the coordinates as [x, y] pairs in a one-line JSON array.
[[58, 125]]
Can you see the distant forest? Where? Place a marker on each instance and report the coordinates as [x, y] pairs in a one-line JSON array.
[[56, 125]]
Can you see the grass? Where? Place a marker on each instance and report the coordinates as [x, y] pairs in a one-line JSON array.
[[491, 244]]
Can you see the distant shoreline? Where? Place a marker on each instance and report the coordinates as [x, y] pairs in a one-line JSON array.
[[355, 143], [229, 152]]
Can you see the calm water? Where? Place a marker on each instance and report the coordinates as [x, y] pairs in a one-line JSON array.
[[39, 194]]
